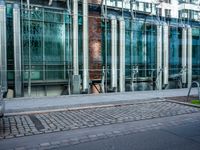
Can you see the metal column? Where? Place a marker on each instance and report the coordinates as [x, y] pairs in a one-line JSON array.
[[121, 55], [184, 57], [144, 49], [166, 53], [85, 47], [3, 47], [17, 50], [76, 77], [113, 52], [189, 44], [159, 57], [75, 37]]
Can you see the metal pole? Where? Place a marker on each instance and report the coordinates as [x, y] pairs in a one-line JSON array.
[[122, 54], [17, 50], [166, 53], [69, 49], [29, 50], [43, 52], [85, 47], [159, 57], [189, 47], [64, 45], [184, 57], [106, 46], [3, 47], [113, 52], [131, 49]]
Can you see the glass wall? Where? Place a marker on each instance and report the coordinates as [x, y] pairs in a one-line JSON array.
[[47, 39]]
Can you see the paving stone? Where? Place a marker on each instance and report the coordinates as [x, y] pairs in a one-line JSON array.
[[22, 125]]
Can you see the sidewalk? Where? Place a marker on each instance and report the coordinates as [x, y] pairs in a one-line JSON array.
[[47, 103], [174, 133]]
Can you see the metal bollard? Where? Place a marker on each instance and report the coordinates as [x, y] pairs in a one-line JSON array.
[[197, 83]]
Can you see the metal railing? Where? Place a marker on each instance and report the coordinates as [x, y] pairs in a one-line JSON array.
[[197, 84]]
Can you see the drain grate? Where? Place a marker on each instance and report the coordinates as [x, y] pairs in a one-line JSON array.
[[37, 122]]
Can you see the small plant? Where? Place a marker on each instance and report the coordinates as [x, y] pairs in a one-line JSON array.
[[195, 102]]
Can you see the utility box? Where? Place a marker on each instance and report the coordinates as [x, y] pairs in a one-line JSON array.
[[76, 83]]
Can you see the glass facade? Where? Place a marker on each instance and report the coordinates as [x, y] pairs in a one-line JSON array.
[[47, 50]]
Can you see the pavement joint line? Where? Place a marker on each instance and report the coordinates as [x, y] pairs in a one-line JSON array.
[[183, 103], [81, 108]]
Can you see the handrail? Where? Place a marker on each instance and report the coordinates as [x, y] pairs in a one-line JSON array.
[[197, 83]]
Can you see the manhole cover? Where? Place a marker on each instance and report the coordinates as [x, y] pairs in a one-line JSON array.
[[37, 122]]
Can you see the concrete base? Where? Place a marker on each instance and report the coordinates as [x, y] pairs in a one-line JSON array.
[[76, 83]]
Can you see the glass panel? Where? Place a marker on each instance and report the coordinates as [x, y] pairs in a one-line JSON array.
[[196, 54], [10, 46], [45, 36], [175, 56], [175, 50]]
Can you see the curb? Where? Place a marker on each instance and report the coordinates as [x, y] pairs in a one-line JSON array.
[[80, 108], [183, 103]]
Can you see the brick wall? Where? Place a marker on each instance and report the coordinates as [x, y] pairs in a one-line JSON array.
[[95, 57]]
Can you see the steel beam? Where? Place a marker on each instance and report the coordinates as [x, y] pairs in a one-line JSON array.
[[75, 38], [113, 52], [184, 57], [17, 50], [85, 47], [159, 57], [121, 55], [166, 53], [3, 46], [189, 47]]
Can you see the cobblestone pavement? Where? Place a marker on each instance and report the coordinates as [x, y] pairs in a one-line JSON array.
[[24, 125]]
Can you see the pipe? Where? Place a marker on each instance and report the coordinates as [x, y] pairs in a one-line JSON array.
[[113, 52], [17, 50], [122, 55], [85, 47], [166, 53], [3, 46]]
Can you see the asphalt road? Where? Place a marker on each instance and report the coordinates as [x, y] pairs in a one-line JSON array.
[[172, 138]]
